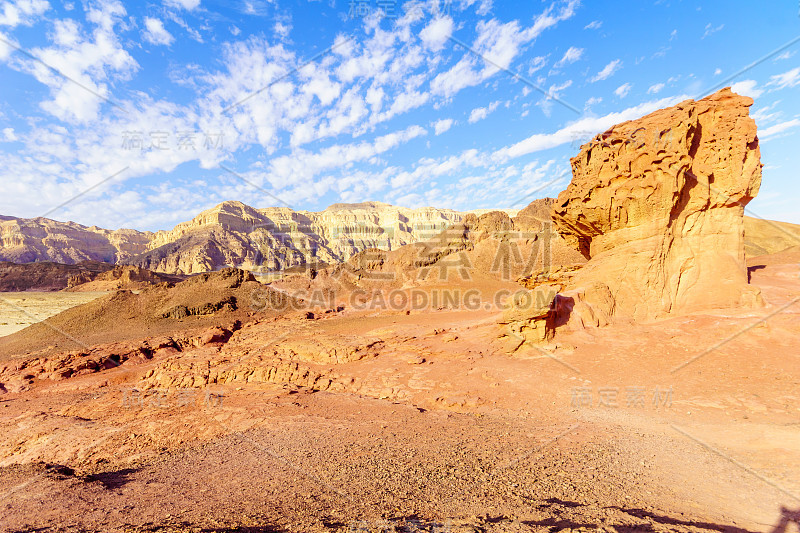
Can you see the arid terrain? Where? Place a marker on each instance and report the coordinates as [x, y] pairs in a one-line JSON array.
[[623, 358], [430, 421], [22, 309]]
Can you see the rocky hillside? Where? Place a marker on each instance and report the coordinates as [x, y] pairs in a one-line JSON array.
[[768, 237], [33, 240], [230, 234], [276, 238], [490, 251], [176, 310], [118, 277], [47, 276]]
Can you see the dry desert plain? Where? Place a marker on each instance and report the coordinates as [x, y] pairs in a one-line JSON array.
[[639, 374]]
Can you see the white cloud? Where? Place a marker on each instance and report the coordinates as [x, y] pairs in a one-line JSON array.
[[357, 89], [580, 129], [786, 55], [764, 115], [437, 32], [623, 90], [607, 71], [479, 183], [9, 135], [747, 88], [549, 19], [5, 49], [710, 30], [282, 29], [536, 64], [402, 103], [364, 83], [441, 126], [346, 93], [592, 101], [301, 167], [717, 72], [594, 25], [778, 128], [88, 64], [481, 113], [484, 7], [384, 74], [458, 77], [185, 4], [155, 33], [429, 169], [21, 12], [570, 56], [790, 78], [655, 89], [374, 98], [555, 90], [553, 93], [499, 44]]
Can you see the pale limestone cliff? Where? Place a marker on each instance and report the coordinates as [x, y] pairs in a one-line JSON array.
[[41, 239], [276, 238], [230, 234]]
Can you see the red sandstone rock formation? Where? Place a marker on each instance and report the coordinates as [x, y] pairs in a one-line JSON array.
[[657, 206]]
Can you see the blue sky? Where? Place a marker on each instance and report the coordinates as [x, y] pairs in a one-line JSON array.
[[150, 112]]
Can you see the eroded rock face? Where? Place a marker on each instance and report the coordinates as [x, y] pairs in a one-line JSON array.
[[278, 238], [232, 234], [28, 240], [657, 206]]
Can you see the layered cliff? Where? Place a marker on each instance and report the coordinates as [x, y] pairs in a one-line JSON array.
[[230, 234], [30, 240], [276, 238]]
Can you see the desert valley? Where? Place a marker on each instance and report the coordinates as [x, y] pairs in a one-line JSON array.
[[620, 358], [399, 266]]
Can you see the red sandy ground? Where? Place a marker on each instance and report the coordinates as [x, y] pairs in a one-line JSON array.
[[442, 429]]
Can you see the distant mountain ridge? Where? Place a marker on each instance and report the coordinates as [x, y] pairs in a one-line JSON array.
[[34, 240], [274, 238], [230, 234]]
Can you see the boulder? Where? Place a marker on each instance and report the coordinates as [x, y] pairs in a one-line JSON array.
[[530, 316]]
